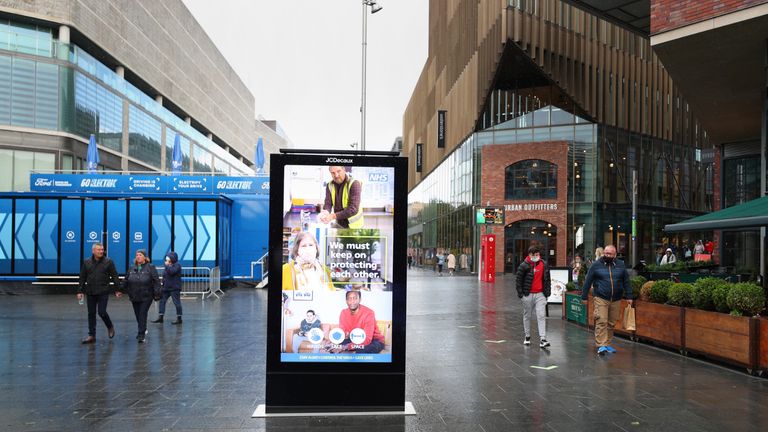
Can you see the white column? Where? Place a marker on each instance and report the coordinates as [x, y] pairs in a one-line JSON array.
[[188, 120], [120, 71], [159, 99], [64, 34]]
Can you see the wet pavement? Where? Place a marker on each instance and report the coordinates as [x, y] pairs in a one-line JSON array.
[[467, 370]]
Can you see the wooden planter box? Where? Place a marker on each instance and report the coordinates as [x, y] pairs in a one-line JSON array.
[[762, 357], [659, 323], [724, 337]]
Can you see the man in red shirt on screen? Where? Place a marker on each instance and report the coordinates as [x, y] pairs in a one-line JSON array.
[[355, 318]]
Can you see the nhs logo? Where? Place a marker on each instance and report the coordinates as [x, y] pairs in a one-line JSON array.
[[378, 177]]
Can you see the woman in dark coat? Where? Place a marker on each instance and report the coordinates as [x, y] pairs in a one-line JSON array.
[[171, 286], [142, 285]]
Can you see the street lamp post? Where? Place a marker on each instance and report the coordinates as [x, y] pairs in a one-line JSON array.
[[374, 8]]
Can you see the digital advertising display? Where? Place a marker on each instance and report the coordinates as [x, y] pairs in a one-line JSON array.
[[337, 264], [337, 277], [489, 215]]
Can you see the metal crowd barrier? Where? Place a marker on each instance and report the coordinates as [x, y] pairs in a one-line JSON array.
[[214, 283], [195, 281]]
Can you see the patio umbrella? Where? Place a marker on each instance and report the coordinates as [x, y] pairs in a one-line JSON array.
[[259, 159], [92, 157], [177, 158]]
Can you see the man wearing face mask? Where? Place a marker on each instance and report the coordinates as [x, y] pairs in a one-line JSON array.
[[533, 287], [610, 282]]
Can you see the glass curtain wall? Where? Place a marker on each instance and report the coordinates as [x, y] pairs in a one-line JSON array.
[[442, 206], [87, 97]]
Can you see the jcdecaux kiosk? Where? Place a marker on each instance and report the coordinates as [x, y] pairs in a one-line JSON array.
[[336, 309]]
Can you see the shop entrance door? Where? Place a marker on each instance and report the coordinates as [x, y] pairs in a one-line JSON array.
[[519, 236]]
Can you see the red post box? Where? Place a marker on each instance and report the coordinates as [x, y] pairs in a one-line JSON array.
[[488, 257]]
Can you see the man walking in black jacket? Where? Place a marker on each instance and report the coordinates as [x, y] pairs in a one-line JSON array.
[[95, 275], [609, 281], [533, 287]]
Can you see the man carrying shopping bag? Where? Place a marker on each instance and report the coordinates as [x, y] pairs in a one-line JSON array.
[[610, 280]]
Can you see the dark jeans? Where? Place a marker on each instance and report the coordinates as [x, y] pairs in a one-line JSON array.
[[374, 347], [97, 301], [141, 309], [176, 296]]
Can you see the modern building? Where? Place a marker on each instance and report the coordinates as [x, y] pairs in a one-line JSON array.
[[718, 52], [547, 108], [136, 74]]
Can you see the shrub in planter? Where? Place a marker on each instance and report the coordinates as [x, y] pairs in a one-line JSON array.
[[680, 294], [660, 291], [719, 297], [570, 286], [702, 292], [746, 299], [637, 284], [645, 291]]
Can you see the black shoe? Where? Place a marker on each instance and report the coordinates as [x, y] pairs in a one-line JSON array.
[[140, 338], [88, 340], [178, 320], [159, 319], [111, 332]]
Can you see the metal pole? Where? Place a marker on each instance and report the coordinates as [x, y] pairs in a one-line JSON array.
[[634, 218], [764, 165], [365, 48]]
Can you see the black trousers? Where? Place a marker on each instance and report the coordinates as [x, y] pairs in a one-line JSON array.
[[98, 301], [141, 310], [176, 296]]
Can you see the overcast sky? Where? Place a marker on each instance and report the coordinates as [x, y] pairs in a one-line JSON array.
[[301, 60]]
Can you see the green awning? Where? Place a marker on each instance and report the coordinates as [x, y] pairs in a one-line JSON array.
[[752, 214]]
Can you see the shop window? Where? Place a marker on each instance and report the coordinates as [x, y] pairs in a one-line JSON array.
[[531, 179]]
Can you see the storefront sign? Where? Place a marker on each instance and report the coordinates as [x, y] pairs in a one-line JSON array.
[[531, 207]]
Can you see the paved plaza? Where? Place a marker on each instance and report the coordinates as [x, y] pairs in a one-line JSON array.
[[467, 370]]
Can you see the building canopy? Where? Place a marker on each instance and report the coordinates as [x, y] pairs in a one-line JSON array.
[[751, 214]]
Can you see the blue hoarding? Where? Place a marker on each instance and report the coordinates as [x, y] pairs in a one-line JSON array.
[[116, 233], [24, 233], [47, 236], [138, 228], [161, 231], [206, 234], [93, 225], [6, 234], [183, 231], [71, 236]]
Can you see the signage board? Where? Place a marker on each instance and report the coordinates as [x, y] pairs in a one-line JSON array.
[[489, 215], [148, 184], [336, 311], [441, 115], [558, 278]]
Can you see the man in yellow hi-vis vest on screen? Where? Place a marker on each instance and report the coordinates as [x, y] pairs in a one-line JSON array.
[[342, 200]]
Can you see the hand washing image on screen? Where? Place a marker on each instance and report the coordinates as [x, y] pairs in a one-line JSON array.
[[337, 231]]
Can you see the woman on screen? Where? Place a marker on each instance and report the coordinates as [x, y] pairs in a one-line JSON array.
[[304, 272]]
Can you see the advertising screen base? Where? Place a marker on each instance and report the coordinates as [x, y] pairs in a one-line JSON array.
[[336, 305], [261, 412]]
